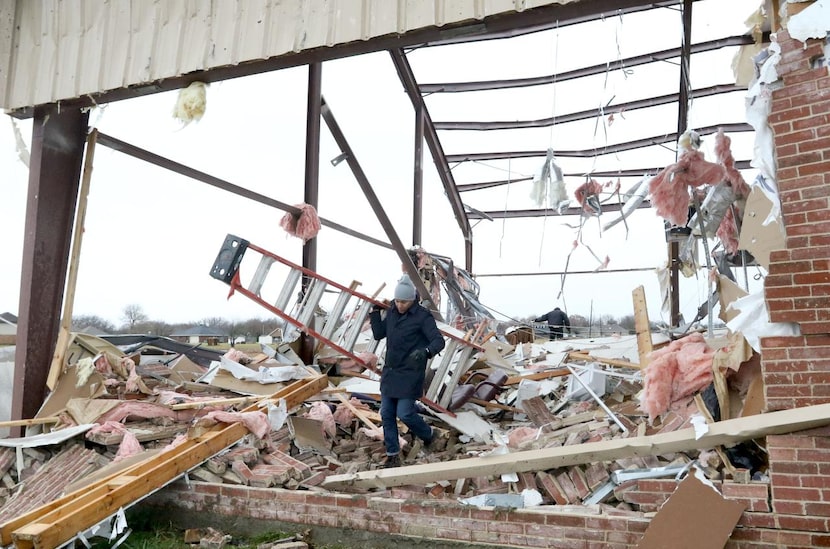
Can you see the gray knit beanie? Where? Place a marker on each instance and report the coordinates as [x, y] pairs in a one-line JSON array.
[[405, 290]]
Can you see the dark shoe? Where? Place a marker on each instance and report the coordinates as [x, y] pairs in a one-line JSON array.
[[392, 461]]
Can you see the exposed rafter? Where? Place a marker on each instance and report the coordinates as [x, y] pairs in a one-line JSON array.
[[546, 18], [546, 212], [598, 151], [587, 114], [633, 172], [436, 149], [601, 68]]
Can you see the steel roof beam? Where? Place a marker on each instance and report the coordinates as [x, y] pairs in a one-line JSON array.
[[546, 18], [601, 68], [548, 212], [633, 172], [181, 169], [585, 115], [598, 151], [407, 78]]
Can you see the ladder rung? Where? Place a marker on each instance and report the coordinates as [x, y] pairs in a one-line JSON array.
[[311, 300], [446, 358], [261, 274], [356, 325], [462, 364], [335, 315], [288, 289]]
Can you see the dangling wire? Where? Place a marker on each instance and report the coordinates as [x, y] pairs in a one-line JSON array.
[[506, 198], [547, 203]]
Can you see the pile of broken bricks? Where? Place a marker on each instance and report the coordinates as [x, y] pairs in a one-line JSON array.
[[331, 434]]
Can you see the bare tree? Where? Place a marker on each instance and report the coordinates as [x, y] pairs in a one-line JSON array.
[[133, 314], [92, 321]]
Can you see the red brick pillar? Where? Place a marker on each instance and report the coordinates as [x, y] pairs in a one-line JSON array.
[[797, 289]]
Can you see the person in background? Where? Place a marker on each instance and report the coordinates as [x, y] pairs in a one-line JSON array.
[[557, 321], [412, 338]]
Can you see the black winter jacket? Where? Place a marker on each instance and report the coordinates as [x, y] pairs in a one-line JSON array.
[[411, 338]]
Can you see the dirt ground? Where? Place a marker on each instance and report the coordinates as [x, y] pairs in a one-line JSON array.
[[321, 537]]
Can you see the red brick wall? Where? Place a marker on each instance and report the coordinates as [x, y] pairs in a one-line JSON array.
[[444, 519], [797, 289]]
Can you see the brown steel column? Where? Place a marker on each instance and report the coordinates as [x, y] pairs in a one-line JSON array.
[[418, 188], [682, 126], [312, 185], [312, 155], [58, 138]]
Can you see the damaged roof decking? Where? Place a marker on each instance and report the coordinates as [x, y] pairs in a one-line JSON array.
[[145, 46]]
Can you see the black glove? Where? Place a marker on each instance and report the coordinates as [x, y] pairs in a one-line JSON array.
[[375, 308], [419, 355]]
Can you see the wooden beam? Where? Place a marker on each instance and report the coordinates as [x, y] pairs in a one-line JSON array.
[[62, 345], [28, 422], [547, 374], [641, 325], [579, 355], [720, 433], [56, 522]]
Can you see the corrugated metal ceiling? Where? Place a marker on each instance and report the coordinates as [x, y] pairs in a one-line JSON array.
[[55, 50]]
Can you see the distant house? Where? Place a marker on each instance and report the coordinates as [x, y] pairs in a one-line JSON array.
[[201, 334], [8, 329]]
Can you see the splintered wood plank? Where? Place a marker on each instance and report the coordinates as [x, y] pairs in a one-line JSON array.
[[587, 357], [720, 433], [64, 336], [52, 524], [641, 325]]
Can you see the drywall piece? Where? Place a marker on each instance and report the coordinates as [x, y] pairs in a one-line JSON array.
[[720, 433], [728, 292], [471, 425], [67, 389], [753, 321], [759, 234], [88, 410], [308, 433], [755, 399], [812, 22], [695, 516]]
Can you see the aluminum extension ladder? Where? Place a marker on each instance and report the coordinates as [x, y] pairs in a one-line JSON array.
[[338, 332]]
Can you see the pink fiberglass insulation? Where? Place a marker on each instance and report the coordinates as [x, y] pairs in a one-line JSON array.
[[343, 415], [728, 232], [129, 443], [322, 413], [591, 188], [728, 229], [733, 175], [237, 356], [678, 370], [670, 187], [306, 225], [137, 409], [255, 422]]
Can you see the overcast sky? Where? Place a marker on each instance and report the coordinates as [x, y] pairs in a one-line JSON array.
[[151, 236]]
